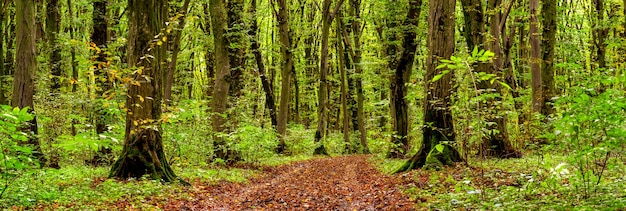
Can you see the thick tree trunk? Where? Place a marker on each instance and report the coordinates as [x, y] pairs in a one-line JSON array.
[[535, 58], [548, 12], [286, 66], [171, 67], [437, 114], [25, 68], [400, 139], [222, 77], [143, 145], [255, 47]]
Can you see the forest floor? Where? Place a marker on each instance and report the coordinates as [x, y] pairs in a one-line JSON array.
[[332, 183]]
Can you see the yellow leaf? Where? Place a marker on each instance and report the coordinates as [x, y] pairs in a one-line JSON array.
[[140, 98], [165, 39], [135, 123], [159, 43]]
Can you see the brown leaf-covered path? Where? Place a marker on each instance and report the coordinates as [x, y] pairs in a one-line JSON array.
[[333, 183]]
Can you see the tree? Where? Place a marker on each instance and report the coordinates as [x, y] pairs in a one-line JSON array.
[[402, 74], [254, 47], [322, 97], [25, 67], [282, 16], [143, 145], [53, 19], [438, 131], [175, 47], [222, 75], [99, 38], [496, 143], [548, 12], [535, 53]]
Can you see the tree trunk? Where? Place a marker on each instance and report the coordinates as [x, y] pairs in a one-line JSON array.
[[600, 31], [437, 114], [209, 56], [3, 69], [222, 77], [53, 19], [255, 47], [171, 68], [143, 145], [25, 68], [322, 117], [357, 31], [495, 144], [535, 60], [400, 139], [99, 37], [236, 54], [74, 62], [344, 93], [548, 11], [286, 66]]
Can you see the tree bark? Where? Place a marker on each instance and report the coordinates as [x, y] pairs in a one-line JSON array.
[[535, 58], [437, 113], [255, 47], [236, 48], [322, 117], [400, 139], [53, 19], [25, 68], [286, 66], [171, 68], [222, 77], [548, 11], [74, 62], [143, 145], [3, 69], [209, 56], [99, 37], [357, 31], [344, 93]]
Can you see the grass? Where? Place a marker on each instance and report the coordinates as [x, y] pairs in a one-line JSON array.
[[535, 182]]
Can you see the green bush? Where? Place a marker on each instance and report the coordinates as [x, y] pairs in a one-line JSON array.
[[15, 156]]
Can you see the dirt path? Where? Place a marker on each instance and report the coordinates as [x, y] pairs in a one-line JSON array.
[[337, 183]]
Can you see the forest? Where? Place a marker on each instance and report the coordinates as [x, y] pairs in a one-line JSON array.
[[312, 104]]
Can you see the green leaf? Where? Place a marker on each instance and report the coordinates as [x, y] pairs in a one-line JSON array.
[[439, 147]]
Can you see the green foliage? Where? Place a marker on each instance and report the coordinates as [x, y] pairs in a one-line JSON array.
[[592, 129], [15, 153], [254, 143]]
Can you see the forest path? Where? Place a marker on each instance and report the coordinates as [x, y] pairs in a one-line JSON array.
[[331, 183]]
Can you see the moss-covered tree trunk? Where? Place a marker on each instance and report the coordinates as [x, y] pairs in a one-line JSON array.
[[143, 145], [25, 67], [437, 115], [53, 20]]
